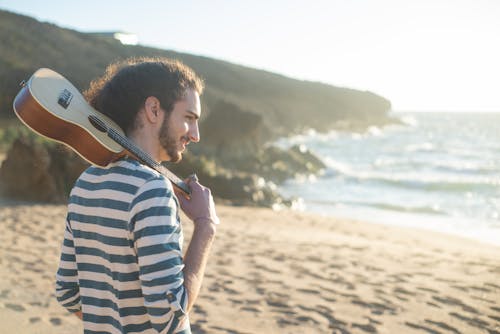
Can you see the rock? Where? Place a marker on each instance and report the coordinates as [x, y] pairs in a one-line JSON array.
[[276, 164], [251, 179], [230, 133], [235, 187], [23, 174], [34, 171], [244, 189]]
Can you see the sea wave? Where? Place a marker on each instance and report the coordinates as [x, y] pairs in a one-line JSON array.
[[414, 180], [434, 210], [433, 183], [420, 147], [471, 167], [440, 166]]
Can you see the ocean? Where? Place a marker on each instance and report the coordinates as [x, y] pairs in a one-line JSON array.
[[438, 171]]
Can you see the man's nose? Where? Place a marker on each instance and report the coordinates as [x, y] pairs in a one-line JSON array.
[[194, 133]]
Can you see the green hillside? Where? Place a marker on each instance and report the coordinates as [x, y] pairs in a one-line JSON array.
[[284, 104]]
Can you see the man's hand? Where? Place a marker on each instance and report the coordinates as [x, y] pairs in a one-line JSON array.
[[199, 207]]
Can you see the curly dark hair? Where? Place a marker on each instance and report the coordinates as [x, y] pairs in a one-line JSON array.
[[121, 92]]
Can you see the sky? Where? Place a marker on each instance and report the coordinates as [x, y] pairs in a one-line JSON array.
[[423, 55]]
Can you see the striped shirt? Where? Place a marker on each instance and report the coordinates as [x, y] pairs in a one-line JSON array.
[[121, 259]]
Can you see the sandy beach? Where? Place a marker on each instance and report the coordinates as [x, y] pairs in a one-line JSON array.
[[282, 272]]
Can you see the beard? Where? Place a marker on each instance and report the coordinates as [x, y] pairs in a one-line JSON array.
[[169, 143]]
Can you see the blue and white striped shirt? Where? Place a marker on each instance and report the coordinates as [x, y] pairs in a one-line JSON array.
[[121, 260]]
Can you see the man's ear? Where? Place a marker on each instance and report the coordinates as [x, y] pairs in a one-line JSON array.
[[152, 109]]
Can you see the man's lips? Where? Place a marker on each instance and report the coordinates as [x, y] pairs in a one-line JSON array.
[[184, 143]]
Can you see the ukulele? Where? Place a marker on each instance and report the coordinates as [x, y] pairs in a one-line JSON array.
[[51, 106]]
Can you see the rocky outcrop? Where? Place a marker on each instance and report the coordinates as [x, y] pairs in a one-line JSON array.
[[39, 172], [46, 172], [278, 164], [254, 183], [232, 160], [235, 187], [229, 133]]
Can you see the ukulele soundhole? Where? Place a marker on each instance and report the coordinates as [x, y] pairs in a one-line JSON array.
[[97, 123]]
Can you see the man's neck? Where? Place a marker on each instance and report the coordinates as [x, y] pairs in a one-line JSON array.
[[146, 143]]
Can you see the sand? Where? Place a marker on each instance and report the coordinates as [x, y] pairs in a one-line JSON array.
[[282, 272]]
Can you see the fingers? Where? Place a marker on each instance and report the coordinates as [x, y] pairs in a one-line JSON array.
[[190, 180], [199, 206], [181, 193]]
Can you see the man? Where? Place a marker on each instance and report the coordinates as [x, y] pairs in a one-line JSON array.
[[121, 267]]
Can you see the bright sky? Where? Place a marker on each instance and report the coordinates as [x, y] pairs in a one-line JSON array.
[[420, 54]]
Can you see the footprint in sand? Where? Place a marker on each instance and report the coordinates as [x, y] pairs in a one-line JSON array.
[[474, 321], [283, 322], [224, 261], [303, 319], [55, 321], [235, 301], [337, 325], [427, 289], [266, 269], [497, 319], [369, 328], [455, 302], [443, 326], [4, 294], [278, 300], [278, 257], [376, 308], [199, 310], [433, 305], [250, 309], [35, 320], [309, 291], [423, 328], [15, 307], [226, 330], [494, 286], [314, 258]]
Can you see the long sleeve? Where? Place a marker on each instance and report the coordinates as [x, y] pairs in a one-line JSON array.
[[67, 289], [157, 239]]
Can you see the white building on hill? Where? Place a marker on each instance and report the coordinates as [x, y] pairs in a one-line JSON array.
[[124, 37]]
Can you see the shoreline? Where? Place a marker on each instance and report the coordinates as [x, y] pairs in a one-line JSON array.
[[282, 272], [433, 223], [414, 175]]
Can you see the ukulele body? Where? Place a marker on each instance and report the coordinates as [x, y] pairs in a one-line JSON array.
[[51, 106]]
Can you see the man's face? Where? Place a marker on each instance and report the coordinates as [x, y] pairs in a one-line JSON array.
[[180, 127]]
